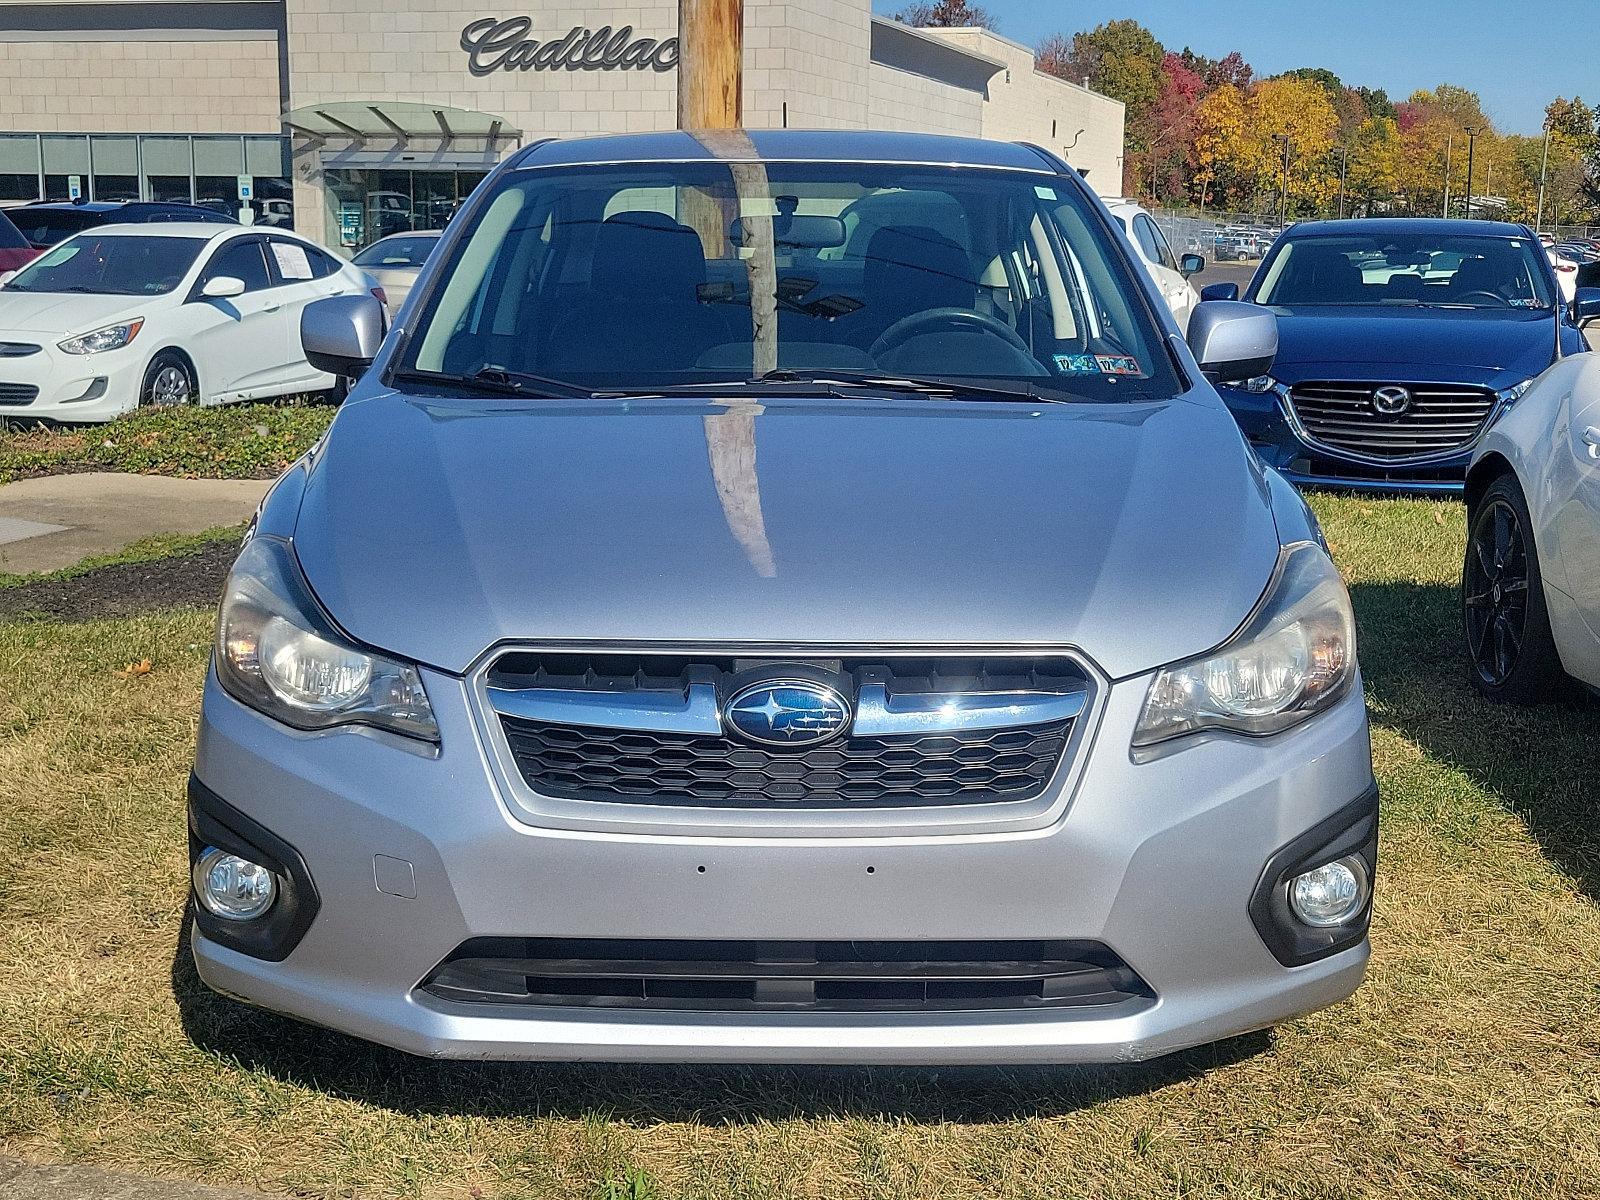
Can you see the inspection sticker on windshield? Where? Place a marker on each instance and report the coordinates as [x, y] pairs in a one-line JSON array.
[[1044, 193], [1119, 364], [1077, 364]]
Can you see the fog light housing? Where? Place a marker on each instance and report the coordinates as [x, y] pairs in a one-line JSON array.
[[232, 887], [1329, 895]]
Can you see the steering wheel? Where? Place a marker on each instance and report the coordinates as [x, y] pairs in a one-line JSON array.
[[1499, 300], [906, 328]]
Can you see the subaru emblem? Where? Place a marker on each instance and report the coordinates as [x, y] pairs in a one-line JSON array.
[[787, 712]]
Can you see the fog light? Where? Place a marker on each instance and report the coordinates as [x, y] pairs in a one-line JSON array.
[[232, 887], [1331, 894]]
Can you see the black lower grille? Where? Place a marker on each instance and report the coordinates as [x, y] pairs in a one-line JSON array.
[[1437, 418], [18, 393], [785, 976], [568, 762]]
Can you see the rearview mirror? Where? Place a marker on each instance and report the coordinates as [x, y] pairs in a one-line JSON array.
[[223, 287], [341, 334], [804, 232], [1585, 305], [1232, 341], [1220, 291], [1193, 264]]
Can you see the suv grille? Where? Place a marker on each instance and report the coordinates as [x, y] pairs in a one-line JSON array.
[[1440, 418], [751, 976], [649, 729]]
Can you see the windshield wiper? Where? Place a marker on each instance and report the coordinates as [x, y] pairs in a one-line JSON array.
[[844, 383], [497, 381]]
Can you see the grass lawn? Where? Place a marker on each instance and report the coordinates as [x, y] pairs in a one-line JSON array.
[[239, 441], [1468, 1066]]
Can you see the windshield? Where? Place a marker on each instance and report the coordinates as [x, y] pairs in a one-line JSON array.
[[114, 265], [644, 276], [10, 238], [1467, 271], [404, 251]]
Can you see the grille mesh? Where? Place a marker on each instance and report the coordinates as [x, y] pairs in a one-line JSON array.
[[1441, 418], [18, 393], [571, 762]]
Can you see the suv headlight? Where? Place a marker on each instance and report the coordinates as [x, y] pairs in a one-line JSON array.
[[280, 654], [112, 337], [1515, 392], [1294, 656]]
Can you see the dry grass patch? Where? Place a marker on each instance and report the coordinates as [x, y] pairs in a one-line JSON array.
[[1468, 1066]]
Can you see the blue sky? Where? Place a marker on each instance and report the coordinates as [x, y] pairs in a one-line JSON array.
[[1517, 56]]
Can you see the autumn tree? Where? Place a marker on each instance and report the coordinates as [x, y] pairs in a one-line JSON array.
[[1120, 59], [947, 14]]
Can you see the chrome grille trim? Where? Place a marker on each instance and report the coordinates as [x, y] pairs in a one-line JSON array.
[[1337, 416], [695, 710], [564, 816]]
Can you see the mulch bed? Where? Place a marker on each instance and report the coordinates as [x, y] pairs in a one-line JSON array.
[[125, 589]]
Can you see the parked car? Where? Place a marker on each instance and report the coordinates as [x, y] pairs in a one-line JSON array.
[[163, 314], [1401, 342], [1171, 274], [15, 250], [394, 262], [1566, 269], [1530, 585], [627, 676], [46, 223], [1228, 247]]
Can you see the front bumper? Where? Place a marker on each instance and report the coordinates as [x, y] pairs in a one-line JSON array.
[[1158, 860], [68, 387]]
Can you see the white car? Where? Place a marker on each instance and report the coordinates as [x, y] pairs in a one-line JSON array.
[[1566, 273], [396, 261], [1530, 586], [1150, 247], [124, 315]]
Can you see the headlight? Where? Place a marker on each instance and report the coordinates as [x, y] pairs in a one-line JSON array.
[[278, 653], [112, 337], [1294, 656], [1259, 384], [1515, 391]]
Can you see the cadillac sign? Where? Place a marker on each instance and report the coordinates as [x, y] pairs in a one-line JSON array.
[[495, 45]]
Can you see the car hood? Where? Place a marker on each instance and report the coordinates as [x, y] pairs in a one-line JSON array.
[[1497, 347], [1140, 533], [65, 314]]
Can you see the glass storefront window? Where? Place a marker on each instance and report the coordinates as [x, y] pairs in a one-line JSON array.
[[364, 206], [19, 167]]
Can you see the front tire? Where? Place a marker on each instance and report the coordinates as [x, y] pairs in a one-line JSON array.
[[1511, 652], [169, 380]]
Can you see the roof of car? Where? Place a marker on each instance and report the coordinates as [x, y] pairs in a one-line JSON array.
[[199, 229], [103, 206], [791, 145], [1425, 226]]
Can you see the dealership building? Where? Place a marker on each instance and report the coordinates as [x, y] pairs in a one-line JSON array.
[[355, 118]]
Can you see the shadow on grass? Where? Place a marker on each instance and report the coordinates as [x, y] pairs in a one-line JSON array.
[[711, 1095], [1537, 762]]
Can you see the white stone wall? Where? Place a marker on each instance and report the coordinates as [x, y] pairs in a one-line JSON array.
[[1027, 105], [814, 55], [908, 102], [137, 86]]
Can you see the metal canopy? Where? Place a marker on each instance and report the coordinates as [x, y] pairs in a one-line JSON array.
[[395, 121]]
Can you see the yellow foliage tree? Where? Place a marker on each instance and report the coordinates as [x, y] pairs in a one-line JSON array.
[[1297, 109]]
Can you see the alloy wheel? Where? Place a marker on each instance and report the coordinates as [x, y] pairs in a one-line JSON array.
[[1495, 592], [170, 386]]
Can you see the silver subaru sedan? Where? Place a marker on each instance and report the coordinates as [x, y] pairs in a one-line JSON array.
[[784, 597]]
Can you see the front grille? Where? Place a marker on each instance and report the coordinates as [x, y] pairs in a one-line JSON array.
[[576, 763], [632, 753], [785, 976], [18, 393], [1441, 418]]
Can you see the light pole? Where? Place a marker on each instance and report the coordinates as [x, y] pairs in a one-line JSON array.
[[1449, 144], [1344, 163], [1472, 139], [1544, 167], [1283, 195]]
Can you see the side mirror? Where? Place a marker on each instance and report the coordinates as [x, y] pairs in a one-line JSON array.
[[341, 334], [1220, 291], [6, 277], [223, 287], [1585, 305], [1193, 264], [1232, 341]]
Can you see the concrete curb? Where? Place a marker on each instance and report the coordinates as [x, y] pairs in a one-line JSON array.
[[25, 1181]]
